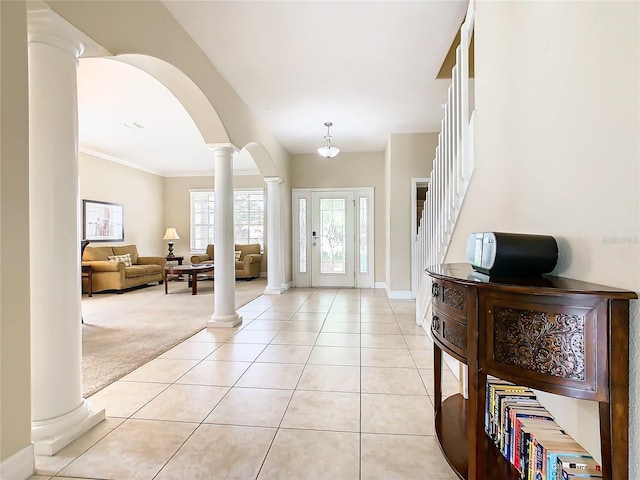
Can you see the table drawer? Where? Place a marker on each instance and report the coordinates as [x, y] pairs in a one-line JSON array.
[[451, 299], [449, 332]]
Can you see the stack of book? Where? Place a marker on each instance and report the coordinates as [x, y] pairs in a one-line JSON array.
[[528, 436]]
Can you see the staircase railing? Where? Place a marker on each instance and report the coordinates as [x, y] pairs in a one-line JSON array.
[[451, 174]]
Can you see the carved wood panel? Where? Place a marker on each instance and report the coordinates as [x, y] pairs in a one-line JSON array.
[[453, 297], [547, 343], [455, 334]]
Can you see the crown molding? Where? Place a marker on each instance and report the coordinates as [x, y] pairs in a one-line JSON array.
[[113, 159], [185, 173]]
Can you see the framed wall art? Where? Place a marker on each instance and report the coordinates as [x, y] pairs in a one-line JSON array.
[[102, 221]]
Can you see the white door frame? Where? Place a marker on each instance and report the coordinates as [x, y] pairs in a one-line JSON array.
[[414, 227], [303, 195]]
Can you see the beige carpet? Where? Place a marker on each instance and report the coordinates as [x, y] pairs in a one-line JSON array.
[[122, 332]]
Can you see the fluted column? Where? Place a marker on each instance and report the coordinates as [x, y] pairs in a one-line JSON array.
[[224, 308], [275, 270], [59, 413]]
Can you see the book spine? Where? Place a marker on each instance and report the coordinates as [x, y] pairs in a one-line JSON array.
[[518, 459], [532, 456], [515, 457], [488, 413], [540, 454]]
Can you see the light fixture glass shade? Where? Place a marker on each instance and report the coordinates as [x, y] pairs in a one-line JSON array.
[[327, 151], [171, 234]]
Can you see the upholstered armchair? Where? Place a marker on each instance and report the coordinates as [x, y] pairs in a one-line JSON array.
[[248, 259], [203, 258]]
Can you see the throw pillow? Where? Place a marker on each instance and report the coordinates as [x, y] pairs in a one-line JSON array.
[[238, 253], [126, 259]]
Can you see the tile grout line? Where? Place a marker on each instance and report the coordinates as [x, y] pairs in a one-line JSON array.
[[290, 398]]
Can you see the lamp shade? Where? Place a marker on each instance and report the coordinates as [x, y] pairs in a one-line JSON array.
[[171, 234]]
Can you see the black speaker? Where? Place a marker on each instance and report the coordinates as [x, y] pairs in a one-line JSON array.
[[512, 254]]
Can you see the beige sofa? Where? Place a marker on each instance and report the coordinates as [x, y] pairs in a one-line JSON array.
[[114, 275], [247, 264]]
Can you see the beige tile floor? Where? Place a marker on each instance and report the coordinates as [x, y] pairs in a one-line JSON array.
[[315, 384]]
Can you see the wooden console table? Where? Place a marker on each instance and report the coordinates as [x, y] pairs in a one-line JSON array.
[[552, 334]]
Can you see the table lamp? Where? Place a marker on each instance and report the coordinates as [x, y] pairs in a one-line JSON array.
[[171, 235]]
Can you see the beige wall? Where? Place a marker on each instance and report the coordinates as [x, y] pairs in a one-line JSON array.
[[15, 385], [408, 156], [557, 152], [347, 170], [141, 193], [177, 210]]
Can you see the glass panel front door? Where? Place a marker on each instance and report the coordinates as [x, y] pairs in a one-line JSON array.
[[332, 239]]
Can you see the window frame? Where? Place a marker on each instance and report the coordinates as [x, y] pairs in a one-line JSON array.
[[211, 240]]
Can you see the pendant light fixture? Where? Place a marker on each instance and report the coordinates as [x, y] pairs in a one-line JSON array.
[[327, 150]]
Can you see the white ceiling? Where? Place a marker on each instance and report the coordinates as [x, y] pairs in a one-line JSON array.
[[367, 66]]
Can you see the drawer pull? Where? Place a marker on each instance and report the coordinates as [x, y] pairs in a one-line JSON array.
[[435, 323], [435, 290]]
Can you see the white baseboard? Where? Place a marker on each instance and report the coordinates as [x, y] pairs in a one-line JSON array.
[[380, 285], [400, 295], [20, 465]]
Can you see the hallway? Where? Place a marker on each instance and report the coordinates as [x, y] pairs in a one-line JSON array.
[[315, 384]]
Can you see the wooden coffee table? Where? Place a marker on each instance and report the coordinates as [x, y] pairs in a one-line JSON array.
[[192, 270]]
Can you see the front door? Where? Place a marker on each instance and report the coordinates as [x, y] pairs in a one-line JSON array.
[[332, 239]]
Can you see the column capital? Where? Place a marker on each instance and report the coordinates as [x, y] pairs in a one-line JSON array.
[[273, 180], [49, 28], [46, 28], [221, 147]]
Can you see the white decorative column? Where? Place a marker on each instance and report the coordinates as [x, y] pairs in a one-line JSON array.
[[275, 270], [224, 295], [59, 414]]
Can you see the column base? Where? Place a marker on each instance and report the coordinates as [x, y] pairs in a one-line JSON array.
[[51, 436], [224, 321], [274, 290]]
